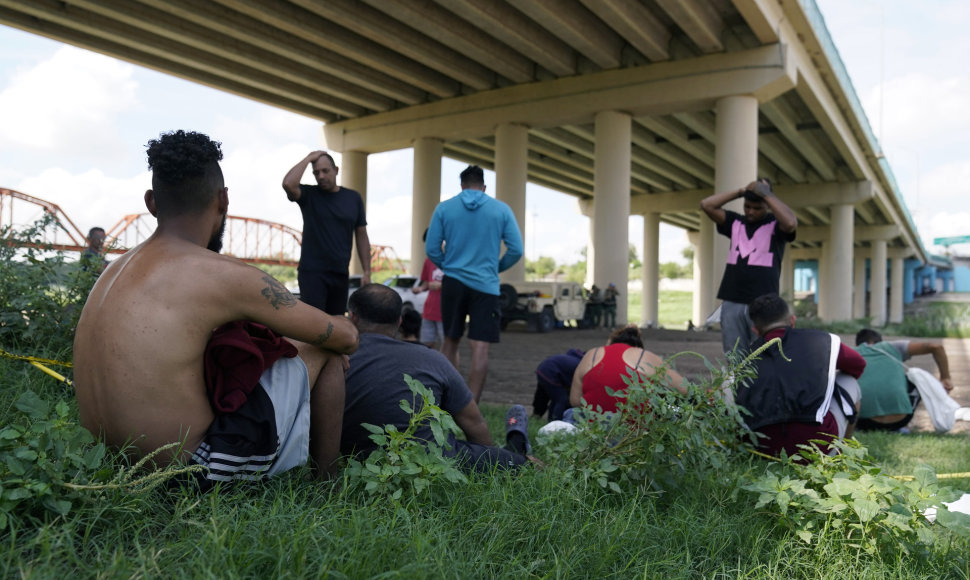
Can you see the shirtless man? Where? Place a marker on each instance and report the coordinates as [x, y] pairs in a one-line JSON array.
[[141, 339]]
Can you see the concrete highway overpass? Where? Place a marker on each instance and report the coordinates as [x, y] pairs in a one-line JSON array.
[[631, 106]]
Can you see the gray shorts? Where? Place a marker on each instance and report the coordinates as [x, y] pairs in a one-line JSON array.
[[267, 435], [432, 331]]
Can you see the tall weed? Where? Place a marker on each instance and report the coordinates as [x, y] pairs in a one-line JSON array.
[[41, 293], [847, 495], [658, 438]]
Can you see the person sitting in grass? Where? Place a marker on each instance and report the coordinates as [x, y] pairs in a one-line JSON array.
[[889, 400], [608, 366], [798, 394], [554, 377], [143, 345], [410, 330], [376, 386]]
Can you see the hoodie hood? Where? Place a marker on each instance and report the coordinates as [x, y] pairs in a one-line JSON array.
[[473, 199]]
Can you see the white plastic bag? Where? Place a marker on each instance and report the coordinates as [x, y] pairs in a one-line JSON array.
[[938, 403]]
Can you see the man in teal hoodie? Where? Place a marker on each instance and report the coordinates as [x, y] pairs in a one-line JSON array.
[[472, 226]]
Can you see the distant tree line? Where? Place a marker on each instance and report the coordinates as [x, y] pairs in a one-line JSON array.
[[546, 267]]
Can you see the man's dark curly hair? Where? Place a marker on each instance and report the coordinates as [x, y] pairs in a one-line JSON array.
[[185, 171], [767, 310], [867, 336]]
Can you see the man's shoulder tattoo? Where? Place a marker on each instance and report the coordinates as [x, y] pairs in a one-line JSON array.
[[277, 294]]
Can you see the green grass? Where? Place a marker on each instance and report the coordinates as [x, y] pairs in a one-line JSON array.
[[899, 454], [941, 319], [534, 524], [497, 526], [675, 308], [926, 319]]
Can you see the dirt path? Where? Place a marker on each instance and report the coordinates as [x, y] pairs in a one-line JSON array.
[[512, 362]]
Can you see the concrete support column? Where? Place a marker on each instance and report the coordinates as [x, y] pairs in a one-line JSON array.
[[511, 175], [838, 270], [704, 281], [910, 279], [650, 277], [611, 203], [896, 288], [822, 280], [353, 175], [786, 284], [859, 288], [735, 165], [590, 250], [877, 276], [425, 195]]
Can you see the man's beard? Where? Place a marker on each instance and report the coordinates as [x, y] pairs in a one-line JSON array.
[[215, 242]]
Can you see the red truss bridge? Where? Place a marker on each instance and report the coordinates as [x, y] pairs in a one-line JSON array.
[[251, 240]]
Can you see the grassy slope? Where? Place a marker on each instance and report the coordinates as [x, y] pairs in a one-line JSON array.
[[532, 524], [674, 310]]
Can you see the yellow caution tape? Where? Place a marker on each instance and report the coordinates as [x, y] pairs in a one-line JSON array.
[[39, 363], [35, 359]]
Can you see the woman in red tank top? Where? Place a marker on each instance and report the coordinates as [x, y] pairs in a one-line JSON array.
[[607, 366]]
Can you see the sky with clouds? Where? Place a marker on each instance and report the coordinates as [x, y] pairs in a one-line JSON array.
[[73, 128]]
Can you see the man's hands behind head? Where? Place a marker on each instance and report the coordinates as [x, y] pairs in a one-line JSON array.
[[761, 188]]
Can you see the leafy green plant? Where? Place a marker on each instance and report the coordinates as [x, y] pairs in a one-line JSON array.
[[40, 453], [402, 462], [940, 319], [657, 438], [41, 293], [49, 464], [847, 495]]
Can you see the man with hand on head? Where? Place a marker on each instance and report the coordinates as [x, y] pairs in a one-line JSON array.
[[149, 370], [753, 267], [333, 218]]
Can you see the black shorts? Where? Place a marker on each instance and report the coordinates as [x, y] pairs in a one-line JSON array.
[[483, 312]]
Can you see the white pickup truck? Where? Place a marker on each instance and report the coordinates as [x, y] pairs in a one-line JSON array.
[[542, 304]]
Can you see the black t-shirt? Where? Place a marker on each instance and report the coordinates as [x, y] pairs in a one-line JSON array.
[[754, 258], [329, 222]]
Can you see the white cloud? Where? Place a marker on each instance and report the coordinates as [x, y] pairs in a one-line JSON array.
[[924, 112], [67, 104], [389, 223], [946, 224], [90, 198], [944, 186]]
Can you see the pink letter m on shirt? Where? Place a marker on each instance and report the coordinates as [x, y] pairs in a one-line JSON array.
[[757, 248]]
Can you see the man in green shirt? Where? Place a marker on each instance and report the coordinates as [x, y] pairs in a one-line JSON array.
[[888, 399]]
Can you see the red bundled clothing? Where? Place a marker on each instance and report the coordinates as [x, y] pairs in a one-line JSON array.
[[235, 358]]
